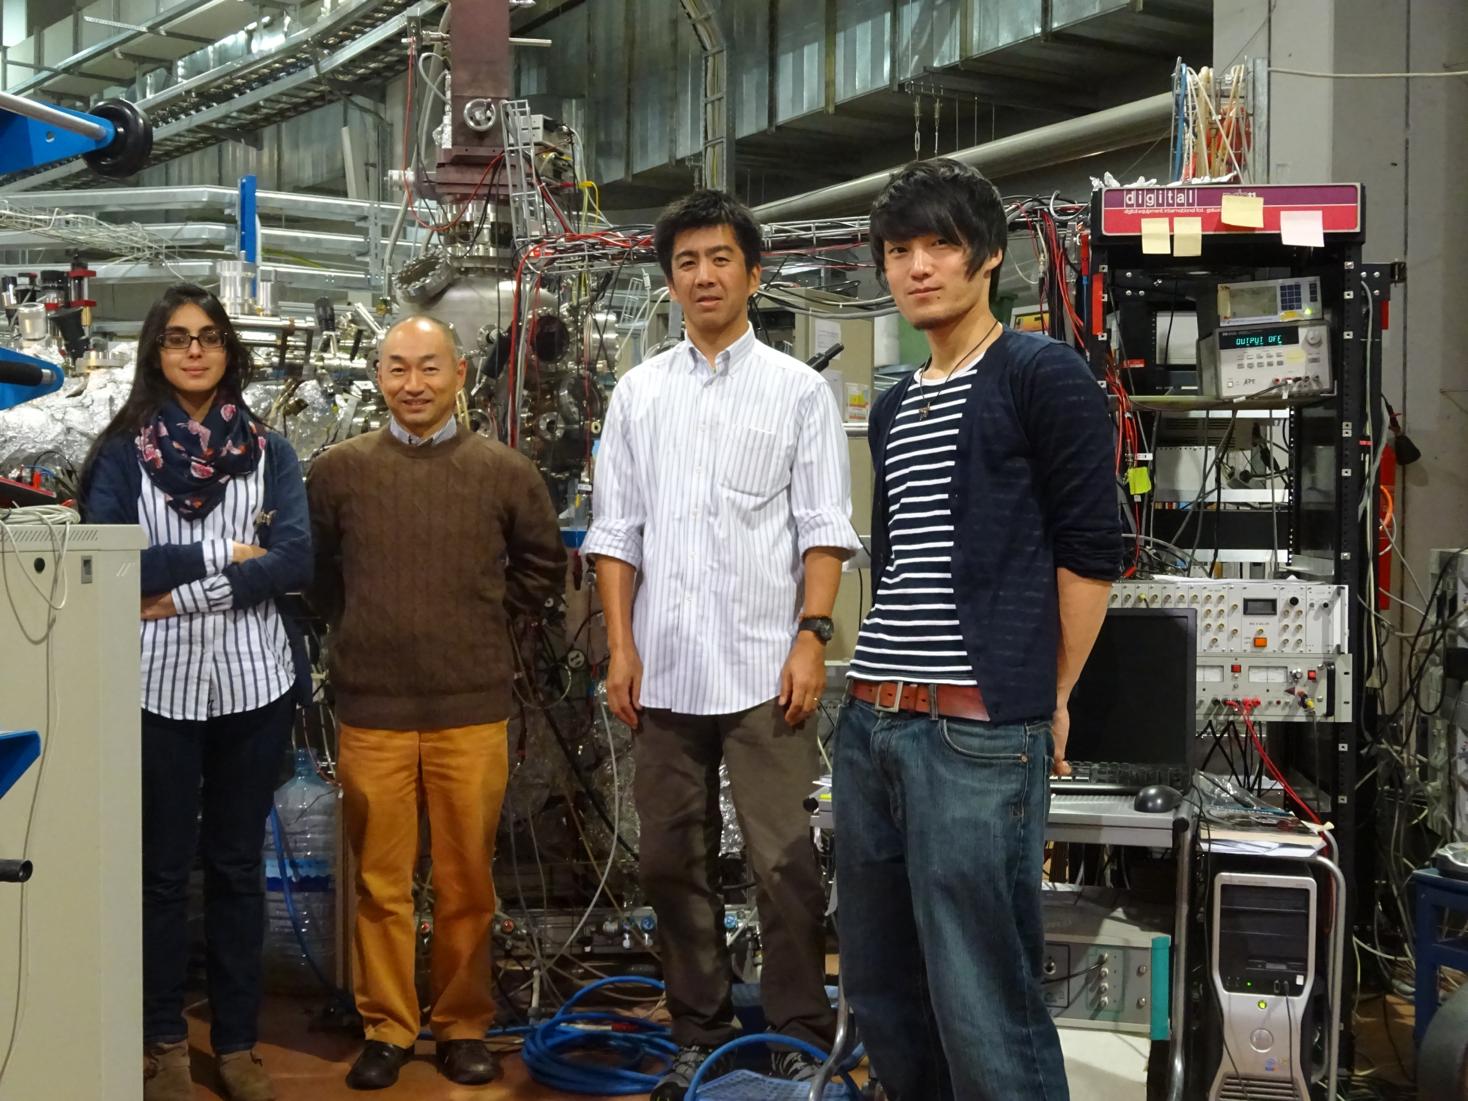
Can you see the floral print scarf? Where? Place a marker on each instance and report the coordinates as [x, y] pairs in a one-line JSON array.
[[192, 462]]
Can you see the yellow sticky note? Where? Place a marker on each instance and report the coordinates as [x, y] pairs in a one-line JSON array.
[[1243, 210], [1187, 236], [1302, 227], [1139, 480], [1156, 235]]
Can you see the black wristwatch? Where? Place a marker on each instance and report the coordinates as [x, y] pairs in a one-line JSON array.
[[820, 626]]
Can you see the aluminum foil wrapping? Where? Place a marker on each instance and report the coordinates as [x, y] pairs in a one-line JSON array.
[[68, 420], [306, 413], [618, 801], [731, 840], [614, 735], [538, 770]]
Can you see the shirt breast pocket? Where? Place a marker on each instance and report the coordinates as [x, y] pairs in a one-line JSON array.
[[755, 462]]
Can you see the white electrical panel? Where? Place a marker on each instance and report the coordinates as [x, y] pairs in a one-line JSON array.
[[1277, 687], [1265, 617], [1284, 644], [80, 956], [1451, 592]]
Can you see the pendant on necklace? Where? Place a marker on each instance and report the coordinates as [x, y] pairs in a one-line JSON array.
[[923, 413]]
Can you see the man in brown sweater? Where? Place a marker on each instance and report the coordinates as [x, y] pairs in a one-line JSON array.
[[428, 539]]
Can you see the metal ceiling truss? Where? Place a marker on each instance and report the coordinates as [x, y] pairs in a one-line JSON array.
[[325, 62]]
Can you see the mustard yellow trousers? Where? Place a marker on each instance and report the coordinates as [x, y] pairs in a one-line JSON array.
[[386, 777]]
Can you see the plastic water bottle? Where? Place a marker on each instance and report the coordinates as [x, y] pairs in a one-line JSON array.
[[300, 853]]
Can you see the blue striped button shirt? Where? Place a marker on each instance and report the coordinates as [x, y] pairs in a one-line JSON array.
[[212, 659], [713, 484]]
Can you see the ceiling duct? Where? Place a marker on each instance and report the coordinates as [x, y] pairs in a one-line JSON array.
[[1114, 128]]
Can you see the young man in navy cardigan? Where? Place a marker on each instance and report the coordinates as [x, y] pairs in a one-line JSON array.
[[995, 540]]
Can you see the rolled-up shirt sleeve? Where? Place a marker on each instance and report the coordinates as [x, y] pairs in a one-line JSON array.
[[820, 483], [618, 511], [1067, 423], [212, 594]]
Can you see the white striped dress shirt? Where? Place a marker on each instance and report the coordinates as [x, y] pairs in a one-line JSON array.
[[713, 484], [212, 659]]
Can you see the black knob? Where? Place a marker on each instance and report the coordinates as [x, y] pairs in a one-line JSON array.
[[131, 145]]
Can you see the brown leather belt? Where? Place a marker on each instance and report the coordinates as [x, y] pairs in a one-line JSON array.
[[954, 701]]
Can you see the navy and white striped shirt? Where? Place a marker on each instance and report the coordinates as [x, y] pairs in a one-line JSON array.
[[713, 484], [913, 632], [212, 659]]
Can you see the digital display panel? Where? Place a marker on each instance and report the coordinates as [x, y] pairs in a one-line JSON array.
[[1260, 606], [1256, 301], [1267, 338]]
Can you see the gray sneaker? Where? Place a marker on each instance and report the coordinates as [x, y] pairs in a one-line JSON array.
[[673, 1085], [795, 1066]]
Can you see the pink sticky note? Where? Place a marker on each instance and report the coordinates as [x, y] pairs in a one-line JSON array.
[[1301, 227]]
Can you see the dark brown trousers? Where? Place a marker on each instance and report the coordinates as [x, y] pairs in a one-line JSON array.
[[772, 770]]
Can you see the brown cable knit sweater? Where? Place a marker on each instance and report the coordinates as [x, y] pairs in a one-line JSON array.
[[422, 554]]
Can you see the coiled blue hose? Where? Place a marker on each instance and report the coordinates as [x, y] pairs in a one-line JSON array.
[[554, 1050]]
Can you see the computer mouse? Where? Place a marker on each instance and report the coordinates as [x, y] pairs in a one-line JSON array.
[[1158, 799]]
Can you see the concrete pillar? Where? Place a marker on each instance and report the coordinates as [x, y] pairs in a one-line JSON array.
[[1402, 139]]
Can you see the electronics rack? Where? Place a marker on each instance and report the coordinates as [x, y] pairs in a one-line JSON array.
[[1332, 443]]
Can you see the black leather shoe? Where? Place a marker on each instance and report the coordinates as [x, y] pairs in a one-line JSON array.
[[467, 1062], [378, 1065]]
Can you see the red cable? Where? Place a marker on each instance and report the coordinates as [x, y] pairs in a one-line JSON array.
[[459, 217], [1244, 709]]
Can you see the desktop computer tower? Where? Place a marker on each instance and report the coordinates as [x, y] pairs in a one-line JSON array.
[[1262, 1002]]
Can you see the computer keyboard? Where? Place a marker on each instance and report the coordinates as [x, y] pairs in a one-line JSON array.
[[1119, 777]]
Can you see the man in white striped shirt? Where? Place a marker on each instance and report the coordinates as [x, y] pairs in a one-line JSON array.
[[721, 517]]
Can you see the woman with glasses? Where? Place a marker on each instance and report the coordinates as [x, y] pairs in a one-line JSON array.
[[223, 507]]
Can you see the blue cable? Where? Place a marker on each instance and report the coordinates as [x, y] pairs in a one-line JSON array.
[[763, 1038], [621, 1044]]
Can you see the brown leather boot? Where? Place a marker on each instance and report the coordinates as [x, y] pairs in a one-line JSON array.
[[166, 1072], [244, 1077]]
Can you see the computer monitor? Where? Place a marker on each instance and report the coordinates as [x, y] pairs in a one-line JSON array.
[[1136, 700]]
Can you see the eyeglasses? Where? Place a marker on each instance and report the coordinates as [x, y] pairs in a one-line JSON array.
[[179, 339]]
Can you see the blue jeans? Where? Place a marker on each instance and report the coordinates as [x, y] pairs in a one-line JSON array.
[[940, 839], [226, 768]]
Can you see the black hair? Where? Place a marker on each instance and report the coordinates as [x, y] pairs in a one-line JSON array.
[[944, 197], [150, 388], [700, 210]]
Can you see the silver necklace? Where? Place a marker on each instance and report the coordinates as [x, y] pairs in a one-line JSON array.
[[923, 386]]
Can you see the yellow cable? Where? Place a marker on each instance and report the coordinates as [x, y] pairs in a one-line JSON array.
[[592, 192]]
